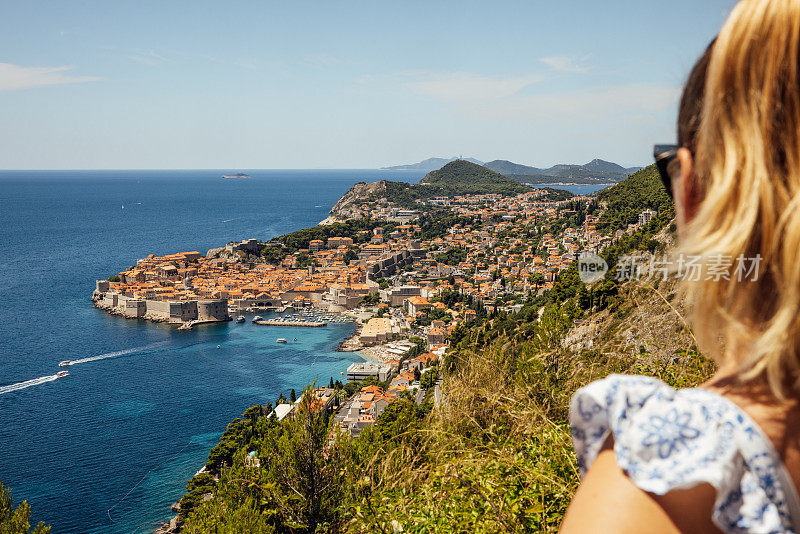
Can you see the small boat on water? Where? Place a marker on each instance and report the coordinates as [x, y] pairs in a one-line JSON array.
[[237, 175], [281, 340], [240, 319], [65, 363], [62, 374], [257, 318]]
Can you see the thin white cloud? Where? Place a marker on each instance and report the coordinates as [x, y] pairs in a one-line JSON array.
[[565, 64], [147, 57], [323, 60], [15, 77], [464, 87], [607, 102], [496, 99], [248, 64]]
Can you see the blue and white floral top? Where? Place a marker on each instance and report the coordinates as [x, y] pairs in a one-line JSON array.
[[667, 439]]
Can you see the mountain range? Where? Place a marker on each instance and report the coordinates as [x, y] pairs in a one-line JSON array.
[[596, 171], [430, 164], [458, 177]]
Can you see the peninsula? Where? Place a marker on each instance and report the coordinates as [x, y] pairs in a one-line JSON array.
[[377, 251], [333, 267]]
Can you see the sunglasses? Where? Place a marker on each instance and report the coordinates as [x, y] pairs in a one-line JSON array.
[[666, 157]]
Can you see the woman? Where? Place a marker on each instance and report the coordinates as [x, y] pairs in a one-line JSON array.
[[724, 457]]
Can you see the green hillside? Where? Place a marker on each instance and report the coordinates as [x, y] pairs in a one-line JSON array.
[[462, 177], [626, 200], [458, 177]]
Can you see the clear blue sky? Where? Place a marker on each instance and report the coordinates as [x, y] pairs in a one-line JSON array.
[[341, 84]]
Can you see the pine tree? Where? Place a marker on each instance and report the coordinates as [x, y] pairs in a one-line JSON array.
[[292, 396], [17, 520]]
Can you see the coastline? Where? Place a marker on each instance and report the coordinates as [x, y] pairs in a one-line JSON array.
[[182, 325], [352, 343], [175, 524], [327, 221]]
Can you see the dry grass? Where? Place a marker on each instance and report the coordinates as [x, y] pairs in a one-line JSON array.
[[496, 455]]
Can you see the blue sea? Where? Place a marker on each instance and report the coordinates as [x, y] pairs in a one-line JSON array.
[[111, 446]]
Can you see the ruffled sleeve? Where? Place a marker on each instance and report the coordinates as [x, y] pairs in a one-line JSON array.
[[666, 439]]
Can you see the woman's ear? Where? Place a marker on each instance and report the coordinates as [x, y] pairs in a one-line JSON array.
[[686, 191]]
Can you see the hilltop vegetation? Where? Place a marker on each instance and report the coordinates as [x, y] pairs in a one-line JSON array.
[[625, 201], [595, 172], [458, 177], [465, 178]]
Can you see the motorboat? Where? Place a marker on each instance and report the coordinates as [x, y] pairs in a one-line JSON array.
[[257, 318], [62, 374], [281, 340], [240, 319], [65, 363]]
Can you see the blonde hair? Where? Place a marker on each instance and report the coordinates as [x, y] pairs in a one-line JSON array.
[[748, 170]]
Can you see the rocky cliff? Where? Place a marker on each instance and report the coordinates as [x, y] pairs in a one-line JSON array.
[[360, 191]]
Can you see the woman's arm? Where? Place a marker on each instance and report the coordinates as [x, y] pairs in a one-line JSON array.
[[607, 501]]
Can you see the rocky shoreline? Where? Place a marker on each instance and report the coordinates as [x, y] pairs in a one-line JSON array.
[[352, 343], [327, 221], [182, 325], [174, 526], [111, 310]]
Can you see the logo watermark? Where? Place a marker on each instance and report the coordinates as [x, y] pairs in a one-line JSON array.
[[714, 267], [591, 268]]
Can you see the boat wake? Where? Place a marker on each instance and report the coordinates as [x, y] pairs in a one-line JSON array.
[[27, 384], [114, 354], [68, 363]]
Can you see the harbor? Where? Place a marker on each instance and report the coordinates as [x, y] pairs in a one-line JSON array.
[[285, 322]]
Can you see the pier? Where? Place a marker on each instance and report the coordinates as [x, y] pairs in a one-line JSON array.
[[308, 324]]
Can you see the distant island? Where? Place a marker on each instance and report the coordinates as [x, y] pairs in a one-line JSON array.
[[237, 175]]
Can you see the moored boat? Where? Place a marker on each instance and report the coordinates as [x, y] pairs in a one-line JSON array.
[[240, 319], [257, 318], [281, 340]]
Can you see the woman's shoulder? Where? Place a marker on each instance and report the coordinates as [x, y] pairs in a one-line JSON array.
[[653, 422], [668, 439]]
